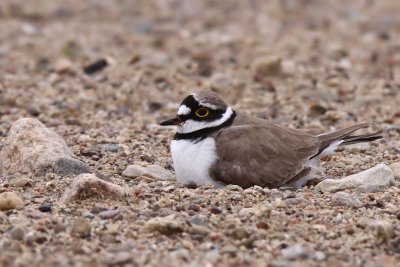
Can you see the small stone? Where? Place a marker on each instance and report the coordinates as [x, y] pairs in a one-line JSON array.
[[153, 171], [133, 171], [81, 228], [88, 185], [295, 252], [279, 203], [239, 233], [109, 214], [63, 66], [194, 207], [35, 214], [111, 148], [88, 215], [10, 200], [45, 207], [20, 182], [216, 210], [346, 200], [376, 179], [97, 208], [33, 111], [396, 169], [199, 230], [70, 166], [267, 66], [95, 66], [17, 233], [166, 225]]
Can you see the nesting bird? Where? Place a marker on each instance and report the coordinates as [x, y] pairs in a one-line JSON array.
[[216, 145]]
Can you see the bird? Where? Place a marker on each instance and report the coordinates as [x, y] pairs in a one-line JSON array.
[[216, 145]]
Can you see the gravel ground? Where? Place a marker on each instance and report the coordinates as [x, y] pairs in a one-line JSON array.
[[103, 73]]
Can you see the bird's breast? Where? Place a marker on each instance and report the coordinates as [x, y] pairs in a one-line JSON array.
[[192, 160]]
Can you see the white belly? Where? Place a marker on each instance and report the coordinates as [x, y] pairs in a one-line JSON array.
[[192, 161]]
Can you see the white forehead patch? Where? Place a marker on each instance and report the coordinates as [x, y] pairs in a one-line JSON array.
[[184, 110]]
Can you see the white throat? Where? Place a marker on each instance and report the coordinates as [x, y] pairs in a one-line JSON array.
[[192, 125]]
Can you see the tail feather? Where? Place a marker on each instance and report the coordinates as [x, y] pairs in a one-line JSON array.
[[345, 136], [354, 139]]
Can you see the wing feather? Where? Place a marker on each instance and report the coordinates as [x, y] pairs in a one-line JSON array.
[[262, 154]]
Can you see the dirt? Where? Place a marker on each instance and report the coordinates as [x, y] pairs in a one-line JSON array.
[[102, 74]]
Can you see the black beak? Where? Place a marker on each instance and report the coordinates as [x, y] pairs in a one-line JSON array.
[[173, 121]]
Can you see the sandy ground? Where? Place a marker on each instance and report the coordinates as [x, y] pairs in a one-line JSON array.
[[339, 65]]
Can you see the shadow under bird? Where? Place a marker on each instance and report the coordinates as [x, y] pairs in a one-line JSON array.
[[216, 145]]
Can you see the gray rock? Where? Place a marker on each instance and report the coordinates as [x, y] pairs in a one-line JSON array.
[[346, 200], [153, 171], [109, 214], [70, 166], [30, 147], [111, 147], [376, 179], [10, 200], [88, 185]]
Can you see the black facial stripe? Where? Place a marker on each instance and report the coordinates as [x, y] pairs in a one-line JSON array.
[[192, 103], [201, 134]]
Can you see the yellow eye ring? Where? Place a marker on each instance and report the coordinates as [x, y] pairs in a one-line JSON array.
[[202, 112]]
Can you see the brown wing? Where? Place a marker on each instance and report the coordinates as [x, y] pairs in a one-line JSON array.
[[261, 153]]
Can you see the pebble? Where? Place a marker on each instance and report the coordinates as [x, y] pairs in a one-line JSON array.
[[88, 185], [81, 228], [153, 171], [166, 225], [17, 233], [376, 179], [111, 147], [216, 210], [10, 200], [396, 169], [35, 214], [88, 215], [95, 66], [20, 182], [345, 199], [109, 214], [63, 66], [45, 207], [267, 66], [295, 252], [97, 208]]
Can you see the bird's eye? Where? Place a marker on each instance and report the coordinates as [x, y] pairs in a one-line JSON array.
[[202, 112]]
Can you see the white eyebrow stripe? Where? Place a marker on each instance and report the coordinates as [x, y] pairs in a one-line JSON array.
[[184, 110], [208, 105]]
